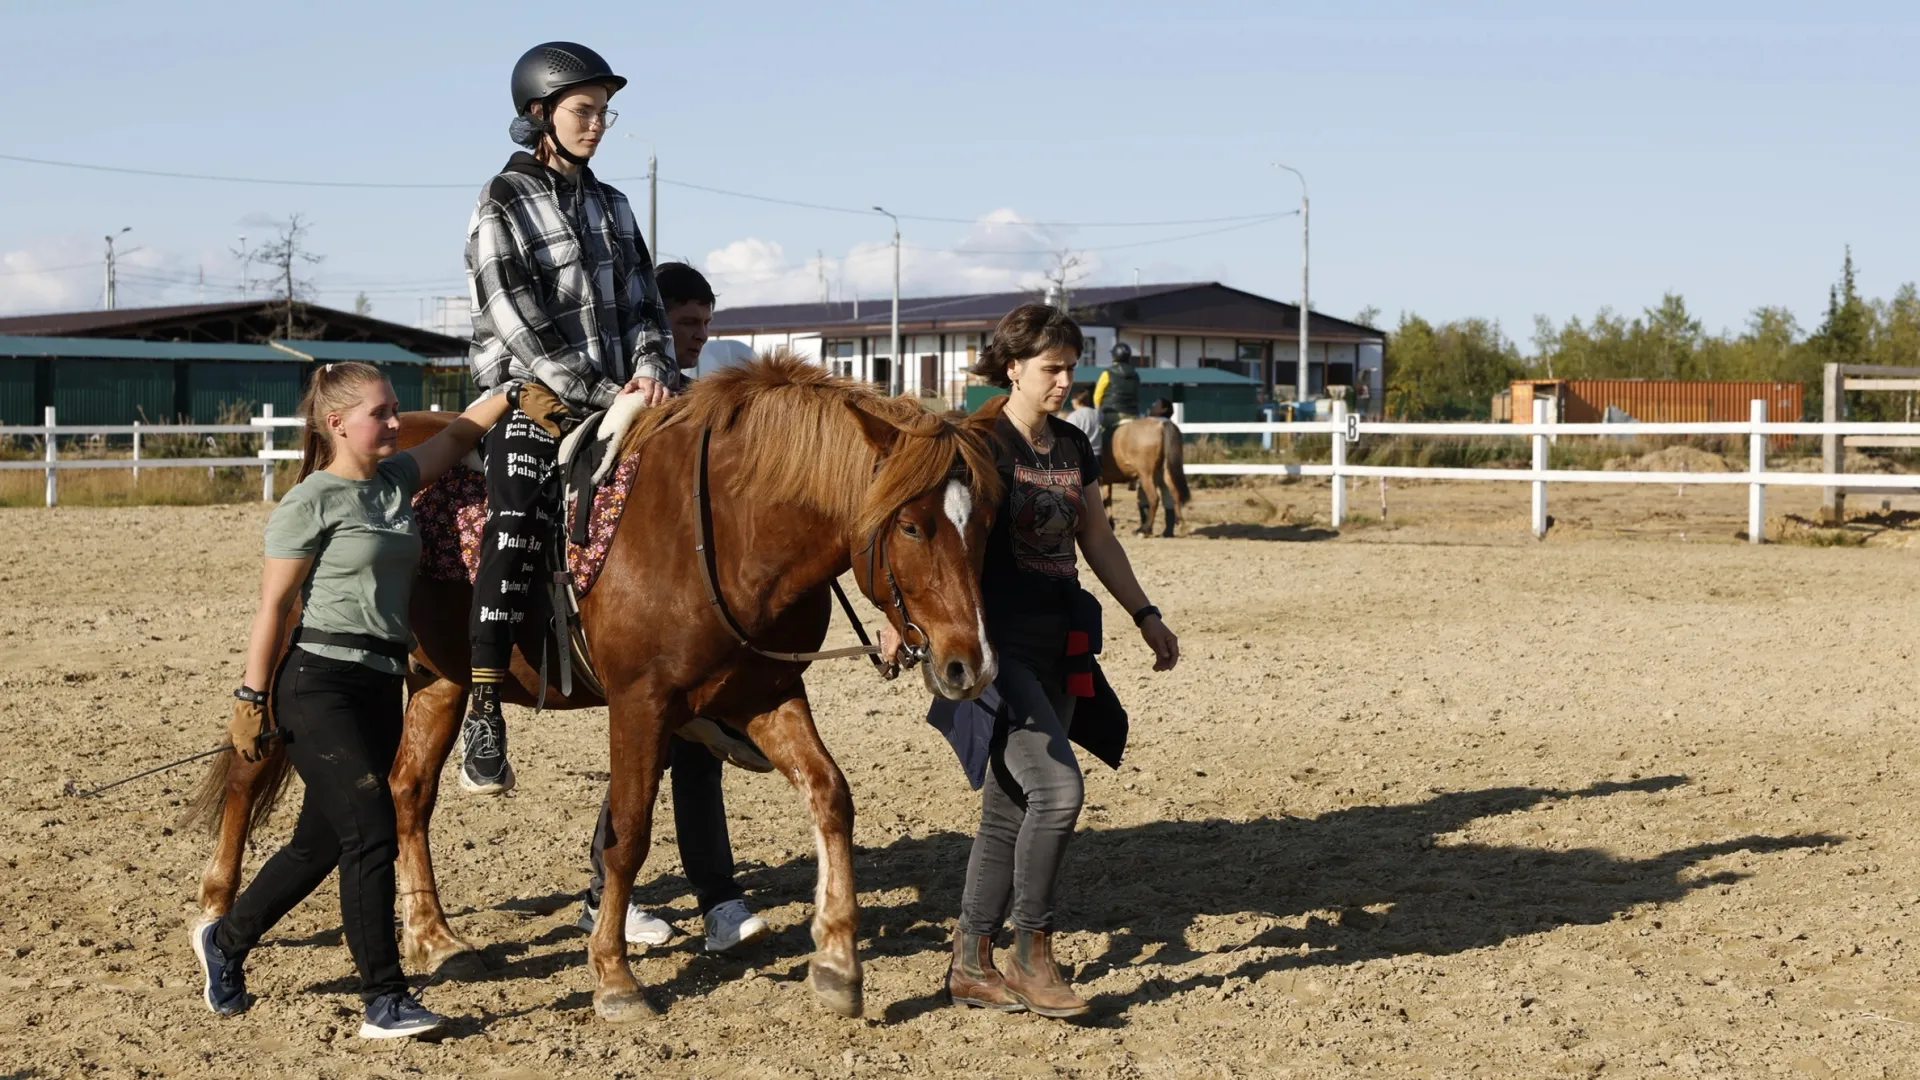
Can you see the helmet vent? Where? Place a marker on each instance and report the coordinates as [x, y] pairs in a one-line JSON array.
[[561, 63]]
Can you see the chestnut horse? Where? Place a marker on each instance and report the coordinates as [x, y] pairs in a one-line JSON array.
[[811, 475], [1146, 449]]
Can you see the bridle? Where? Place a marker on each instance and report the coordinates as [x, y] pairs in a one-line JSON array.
[[911, 651]]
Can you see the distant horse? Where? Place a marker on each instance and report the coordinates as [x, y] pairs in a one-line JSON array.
[[812, 475], [1147, 450]]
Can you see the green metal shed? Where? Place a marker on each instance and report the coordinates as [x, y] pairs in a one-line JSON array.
[[405, 370]]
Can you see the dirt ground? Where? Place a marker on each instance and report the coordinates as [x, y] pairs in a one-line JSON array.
[[1425, 798]]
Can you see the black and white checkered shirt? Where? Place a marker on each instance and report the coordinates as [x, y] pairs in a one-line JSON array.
[[562, 288]]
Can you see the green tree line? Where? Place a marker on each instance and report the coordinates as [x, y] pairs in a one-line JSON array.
[[1452, 370]]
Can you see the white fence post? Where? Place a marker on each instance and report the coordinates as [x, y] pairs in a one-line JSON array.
[[1339, 463], [53, 486], [1756, 464], [1179, 413], [266, 443], [136, 453], [1539, 466]]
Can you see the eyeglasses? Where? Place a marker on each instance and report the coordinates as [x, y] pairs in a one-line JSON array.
[[604, 118]]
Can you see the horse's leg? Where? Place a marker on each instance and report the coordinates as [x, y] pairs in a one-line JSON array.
[[232, 789], [638, 724], [1148, 506], [1165, 496], [433, 712], [788, 738]]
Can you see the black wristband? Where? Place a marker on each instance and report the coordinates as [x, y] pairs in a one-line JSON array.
[[250, 695], [1140, 617]]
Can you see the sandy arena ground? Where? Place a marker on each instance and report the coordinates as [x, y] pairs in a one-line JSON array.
[[1425, 798]]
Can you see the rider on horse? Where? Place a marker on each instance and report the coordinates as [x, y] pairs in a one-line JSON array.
[[566, 317], [1118, 391]]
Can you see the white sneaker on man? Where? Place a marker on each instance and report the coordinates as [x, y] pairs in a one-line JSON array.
[[731, 925], [642, 928]]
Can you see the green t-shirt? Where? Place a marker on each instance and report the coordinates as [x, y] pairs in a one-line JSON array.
[[364, 546]]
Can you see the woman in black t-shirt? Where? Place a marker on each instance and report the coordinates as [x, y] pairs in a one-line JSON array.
[[1032, 792]]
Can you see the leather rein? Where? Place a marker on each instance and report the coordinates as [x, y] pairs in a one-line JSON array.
[[910, 652]]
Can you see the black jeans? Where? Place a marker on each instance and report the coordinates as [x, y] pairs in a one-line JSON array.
[[700, 825], [342, 722], [1033, 790], [520, 459]]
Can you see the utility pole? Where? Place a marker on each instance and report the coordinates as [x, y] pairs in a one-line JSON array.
[[820, 264], [1300, 392], [110, 282], [896, 378], [653, 204]]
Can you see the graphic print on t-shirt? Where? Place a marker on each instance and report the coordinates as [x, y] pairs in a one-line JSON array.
[[1045, 508]]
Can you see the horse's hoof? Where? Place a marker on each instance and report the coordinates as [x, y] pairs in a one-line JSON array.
[[623, 1006], [451, 958], [837, 992], [467, 965]]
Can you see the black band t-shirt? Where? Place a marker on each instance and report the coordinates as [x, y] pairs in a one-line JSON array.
[[1030, 567]]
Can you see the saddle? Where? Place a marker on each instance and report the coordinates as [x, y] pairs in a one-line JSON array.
[[592, 488]]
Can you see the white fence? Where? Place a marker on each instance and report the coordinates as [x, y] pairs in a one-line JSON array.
[[52, 463], [1347, 429]]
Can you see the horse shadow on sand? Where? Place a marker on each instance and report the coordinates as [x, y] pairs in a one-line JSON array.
[[1287, 533], [1373, 881]]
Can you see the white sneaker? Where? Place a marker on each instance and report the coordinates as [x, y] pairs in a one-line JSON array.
[[731, 925], [642, 928]]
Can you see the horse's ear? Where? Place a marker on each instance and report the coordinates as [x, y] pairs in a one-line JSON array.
[[880, 432]]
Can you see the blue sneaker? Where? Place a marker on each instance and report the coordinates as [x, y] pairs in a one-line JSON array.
[[226, 980], [399, 1016]]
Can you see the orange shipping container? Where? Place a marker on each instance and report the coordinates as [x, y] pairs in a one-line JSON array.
[[1657, 401]]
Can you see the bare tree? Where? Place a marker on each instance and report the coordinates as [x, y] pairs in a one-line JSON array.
[[276, 261], [1065, 273]]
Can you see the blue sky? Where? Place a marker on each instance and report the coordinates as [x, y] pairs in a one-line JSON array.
[[1497, 159]]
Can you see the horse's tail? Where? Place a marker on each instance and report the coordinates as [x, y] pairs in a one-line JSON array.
[[208, 810], [1173, 459]]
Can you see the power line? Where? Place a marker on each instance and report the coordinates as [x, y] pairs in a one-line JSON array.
[[801, 204]]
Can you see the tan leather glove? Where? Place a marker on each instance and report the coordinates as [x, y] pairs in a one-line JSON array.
[[244, 730]]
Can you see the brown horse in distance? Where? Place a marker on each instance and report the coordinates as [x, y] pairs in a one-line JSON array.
[[810, 475], [1148, 450]]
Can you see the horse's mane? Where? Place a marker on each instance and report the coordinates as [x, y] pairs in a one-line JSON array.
[[809, 444]]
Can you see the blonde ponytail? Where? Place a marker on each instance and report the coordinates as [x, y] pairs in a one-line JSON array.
[[334, 388]]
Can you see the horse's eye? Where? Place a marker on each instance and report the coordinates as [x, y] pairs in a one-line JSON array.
[[910, 529]]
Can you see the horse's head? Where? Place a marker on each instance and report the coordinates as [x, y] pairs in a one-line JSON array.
[[922, 538]]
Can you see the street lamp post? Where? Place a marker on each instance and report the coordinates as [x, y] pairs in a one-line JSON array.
[[110, 283], [896, 378], [1300, 373]]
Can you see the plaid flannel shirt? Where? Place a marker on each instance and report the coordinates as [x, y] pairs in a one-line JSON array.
[[562, 288]]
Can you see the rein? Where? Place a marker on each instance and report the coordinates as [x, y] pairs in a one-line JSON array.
[[710, 577]]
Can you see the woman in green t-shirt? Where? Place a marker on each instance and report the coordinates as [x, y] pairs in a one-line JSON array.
[[343, 542]]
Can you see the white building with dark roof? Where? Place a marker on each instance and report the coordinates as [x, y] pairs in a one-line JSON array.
[[1196, 324]]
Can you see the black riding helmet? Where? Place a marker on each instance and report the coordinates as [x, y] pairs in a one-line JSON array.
[[1122, 352], [545, 72]]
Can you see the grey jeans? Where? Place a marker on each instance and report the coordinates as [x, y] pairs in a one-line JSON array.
[[1033, 790]]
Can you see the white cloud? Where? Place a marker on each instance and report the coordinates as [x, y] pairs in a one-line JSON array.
[[1001, 252], [69, 274]]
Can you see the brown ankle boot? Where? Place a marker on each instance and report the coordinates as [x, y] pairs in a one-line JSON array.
[[973, 980], [1033, 979]]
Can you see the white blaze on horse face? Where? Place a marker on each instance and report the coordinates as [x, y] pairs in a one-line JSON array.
[[959, 508]]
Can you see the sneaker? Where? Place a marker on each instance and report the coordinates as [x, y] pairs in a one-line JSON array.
[[483, 745], [399, 1015], [642, 928], [226, 980], [731, 925]]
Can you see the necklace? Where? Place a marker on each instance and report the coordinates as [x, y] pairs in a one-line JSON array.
[[1040, 443]]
